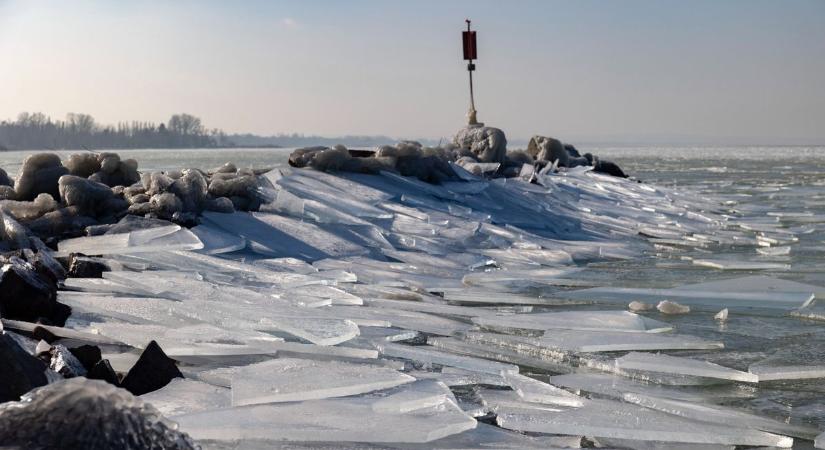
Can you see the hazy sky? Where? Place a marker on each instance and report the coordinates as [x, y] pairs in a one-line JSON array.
[[750, 71]]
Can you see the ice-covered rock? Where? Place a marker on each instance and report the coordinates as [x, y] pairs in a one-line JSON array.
[[114, 172], [636, 306], [87, 414], [39, 174], [548, 149], [90, 197], [26, 211], [165, 205], [669, 307], [191, 188], [82, 164], [488, 144], [12, 233]]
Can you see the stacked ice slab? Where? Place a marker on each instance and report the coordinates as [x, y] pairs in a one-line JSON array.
[[381, 310]]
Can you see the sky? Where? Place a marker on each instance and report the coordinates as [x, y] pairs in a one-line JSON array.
[[629, 71]]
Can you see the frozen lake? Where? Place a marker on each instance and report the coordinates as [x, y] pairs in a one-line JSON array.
[[377, 293]]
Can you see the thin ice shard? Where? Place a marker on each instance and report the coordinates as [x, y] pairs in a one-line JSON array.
[[621, 321], [610, 419], [535, 391], [612, 341], [426, 354], [418, 395], [216, 241], [681, 366], [291, 379]]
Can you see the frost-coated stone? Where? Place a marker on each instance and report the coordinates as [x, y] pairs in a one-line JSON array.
[[87, 414], [488, 144]]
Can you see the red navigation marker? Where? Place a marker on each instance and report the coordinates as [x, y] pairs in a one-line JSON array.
[[468, 40]]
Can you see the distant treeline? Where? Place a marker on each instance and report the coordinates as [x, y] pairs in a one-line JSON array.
[[37, 131], [34, 131]]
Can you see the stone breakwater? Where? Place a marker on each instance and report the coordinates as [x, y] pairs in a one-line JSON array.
[[376, 310], [476, 149]]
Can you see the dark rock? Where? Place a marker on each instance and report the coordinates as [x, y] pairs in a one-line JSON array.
[[27, 295], [43, 334], [4, 179], [608, 167], [102, 370], [185, 219], [65, 363], [152, 371], [81, 266], [88, 355], [20, 372], [89, 415], [571, 150], [7, 193]]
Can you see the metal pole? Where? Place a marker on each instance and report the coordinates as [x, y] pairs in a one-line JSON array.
[[472, 101]]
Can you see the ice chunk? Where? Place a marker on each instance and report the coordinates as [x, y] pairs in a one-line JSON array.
[[428, 355], [819, 442], [739, 265], [669, 307], [459, 377], [182, 396], [681, 366], [612, 341], [636, 306], [421, 394], [289, 379], [489, 436], [575, 320], [216, 241], [721, 315], [610, 419], [615, 386], [535, 391], [329, 420], [478, 296], [496, 353], [148, 240]]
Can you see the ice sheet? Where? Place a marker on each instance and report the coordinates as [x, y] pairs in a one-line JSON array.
[[291, 379], [620, 321], [681, 366], [330, 420], [610, 419]]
